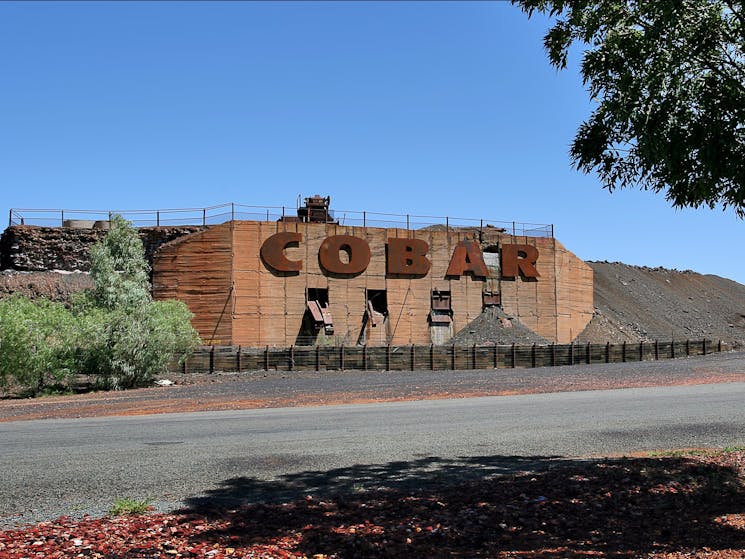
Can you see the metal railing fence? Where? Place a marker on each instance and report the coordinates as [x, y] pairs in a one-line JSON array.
[[213, 215]]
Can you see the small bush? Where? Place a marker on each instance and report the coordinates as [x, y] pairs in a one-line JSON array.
[[126, 507], [37, 344]]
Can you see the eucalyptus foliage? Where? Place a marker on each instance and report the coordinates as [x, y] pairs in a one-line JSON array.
[[669, 80], [115, 331], [37, 344]]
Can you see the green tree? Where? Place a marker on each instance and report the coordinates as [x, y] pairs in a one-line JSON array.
[[669, 80], [129, 337]]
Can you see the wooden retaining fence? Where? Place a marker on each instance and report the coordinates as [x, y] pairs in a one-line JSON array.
[[208, 359]]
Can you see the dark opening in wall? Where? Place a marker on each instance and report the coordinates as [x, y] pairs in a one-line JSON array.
[[317, 301], [377, 306]]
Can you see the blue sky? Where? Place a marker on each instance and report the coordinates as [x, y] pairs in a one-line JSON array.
[[442, 108]]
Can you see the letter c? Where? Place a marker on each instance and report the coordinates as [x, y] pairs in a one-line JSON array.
[[273, 251]]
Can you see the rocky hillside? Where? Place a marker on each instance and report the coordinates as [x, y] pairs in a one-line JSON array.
[[635, 303]]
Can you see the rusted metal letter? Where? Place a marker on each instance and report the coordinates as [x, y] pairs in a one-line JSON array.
[[358, 253], [408, 257], [273, 251], [519, 260], [467, 257]]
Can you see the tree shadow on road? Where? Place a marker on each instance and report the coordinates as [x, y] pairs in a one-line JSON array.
[[487, 506]]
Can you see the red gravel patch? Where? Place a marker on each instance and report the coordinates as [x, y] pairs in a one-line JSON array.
[[670, 506]]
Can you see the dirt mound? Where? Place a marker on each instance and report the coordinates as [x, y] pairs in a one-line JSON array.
[[494, 326], [634, 303], [58, 286]]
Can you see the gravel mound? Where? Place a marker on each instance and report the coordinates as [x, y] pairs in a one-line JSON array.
[[493, 326], [57, 286], [634, 303]]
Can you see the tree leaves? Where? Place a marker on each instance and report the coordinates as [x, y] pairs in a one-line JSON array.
[[669, 79]]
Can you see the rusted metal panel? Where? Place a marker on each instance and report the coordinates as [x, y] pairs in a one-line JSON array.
[[437, 318], [408, 257], [273, 251], [357, 249], [492, 299], [315, 310], [467, 257], [519, 260]]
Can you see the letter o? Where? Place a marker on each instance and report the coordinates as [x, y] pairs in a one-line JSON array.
[[357, 249]]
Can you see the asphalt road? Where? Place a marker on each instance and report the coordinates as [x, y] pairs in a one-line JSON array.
[[76, 466]]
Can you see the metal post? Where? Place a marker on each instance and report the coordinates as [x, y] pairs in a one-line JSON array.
[[157, 218], [62, 218], [552, 230], [267, 214], [513, 228], [10, 218], [232, 211], [447, 224], [364, 219], [204, 216], [407, 222]]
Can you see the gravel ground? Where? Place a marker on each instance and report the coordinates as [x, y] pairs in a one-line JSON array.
[[221, 391], [494, 326]]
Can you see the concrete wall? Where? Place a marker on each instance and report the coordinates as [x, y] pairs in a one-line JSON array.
[[238, 299]]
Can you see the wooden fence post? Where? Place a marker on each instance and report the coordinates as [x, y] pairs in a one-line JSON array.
[[607, 352], [553, 355], [641, 351], [588, 353], [413, 364], [212, 359], [452, 357], [514, 356], [688, 347], [571, 353], [623, 353], [532, 355], [496, 356], [704, 346], [266, 358], [238, 360], [656, 350], [473, 357], [318, 358], [431, 357], [341, 358], [292, 357], [388, 357], [364, 357]]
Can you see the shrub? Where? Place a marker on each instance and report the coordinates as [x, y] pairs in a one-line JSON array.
[[114, 331], [37, 344]]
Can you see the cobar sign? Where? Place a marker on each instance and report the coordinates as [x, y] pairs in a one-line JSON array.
[[404, 257]]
